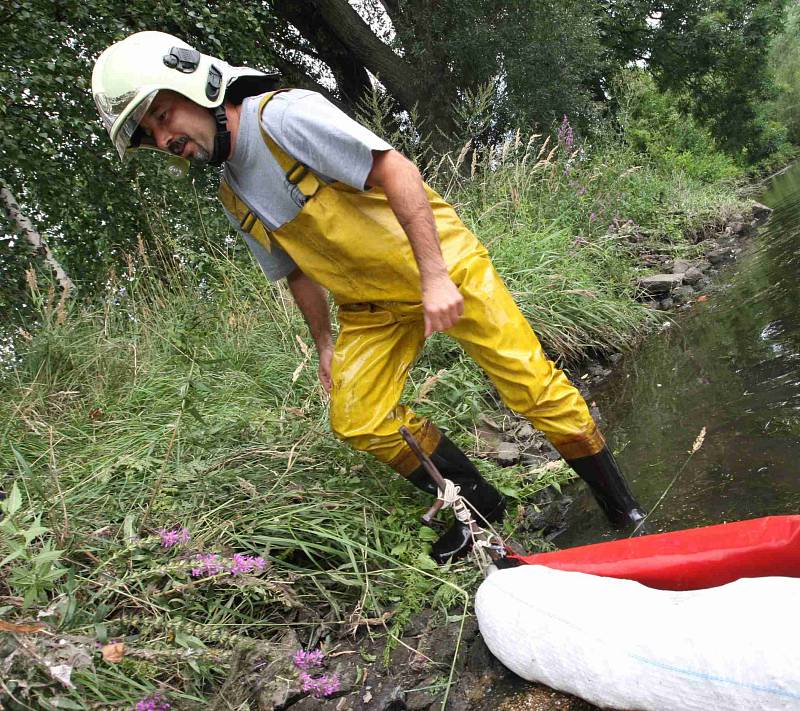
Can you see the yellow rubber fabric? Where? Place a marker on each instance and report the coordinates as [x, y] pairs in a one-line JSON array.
[[378, 344], [350, 242]]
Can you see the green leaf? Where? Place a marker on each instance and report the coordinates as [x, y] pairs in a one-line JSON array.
[[188, 641], [47, 556], [14, 501], [34, 531], [427, 534], [12, 556], [128, 527]]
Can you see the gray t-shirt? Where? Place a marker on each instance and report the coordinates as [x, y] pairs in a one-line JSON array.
[[311, 130]]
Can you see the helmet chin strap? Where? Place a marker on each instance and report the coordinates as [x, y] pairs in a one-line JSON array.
[[222, 139]]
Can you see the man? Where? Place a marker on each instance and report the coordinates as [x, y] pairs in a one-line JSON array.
[[328, 205]]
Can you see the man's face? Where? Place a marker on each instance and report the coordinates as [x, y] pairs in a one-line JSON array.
[[181, 127]]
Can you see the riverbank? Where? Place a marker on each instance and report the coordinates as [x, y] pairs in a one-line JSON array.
[[179, 427]]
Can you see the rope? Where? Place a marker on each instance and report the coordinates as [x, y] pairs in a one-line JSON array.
[[483, 540]]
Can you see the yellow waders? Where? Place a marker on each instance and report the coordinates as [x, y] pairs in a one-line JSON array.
[[350, 242]]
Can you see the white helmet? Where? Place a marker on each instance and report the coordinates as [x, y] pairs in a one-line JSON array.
[[128, 75]]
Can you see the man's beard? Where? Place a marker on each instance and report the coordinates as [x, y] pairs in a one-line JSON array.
[[201, 156]]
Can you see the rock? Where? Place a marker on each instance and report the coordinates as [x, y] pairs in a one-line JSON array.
[[615, 358], [660, 283], [761, 213], [681, 266], [682, 294], [525, 431], [665, 304], [736, 229], [422, 699], [702, 283], [596, 370], [692, 276], [508, 453], [417, 623], [720, 255]]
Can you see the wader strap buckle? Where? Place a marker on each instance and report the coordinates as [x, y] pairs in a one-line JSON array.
[[248, 221], [296, 173]]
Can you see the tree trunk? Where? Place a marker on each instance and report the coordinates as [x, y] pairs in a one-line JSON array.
[[346, 24], [35, 240]]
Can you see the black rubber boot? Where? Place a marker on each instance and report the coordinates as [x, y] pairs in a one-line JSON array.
[[601, 472], [453, 464]]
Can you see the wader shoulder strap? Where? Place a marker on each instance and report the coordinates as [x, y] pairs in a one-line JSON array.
[[248, 222], [297, 173]]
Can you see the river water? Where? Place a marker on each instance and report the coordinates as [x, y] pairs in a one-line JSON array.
[[731, 365]]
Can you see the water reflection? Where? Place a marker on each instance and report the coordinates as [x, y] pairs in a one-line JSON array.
[[731, 365]]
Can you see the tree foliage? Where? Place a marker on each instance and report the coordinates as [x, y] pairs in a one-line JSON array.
[[712, 52], [540, 60], [785, 63]]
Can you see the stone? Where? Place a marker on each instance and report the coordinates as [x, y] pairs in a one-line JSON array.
[[665, 304], [720, 255], [417, 623], [596, 370], [761, 213], [692, 276], [681, 266], [422, 699], [736, 229], [682, 294], [508, 453], [525, 431], [660, 283], [615, 358]]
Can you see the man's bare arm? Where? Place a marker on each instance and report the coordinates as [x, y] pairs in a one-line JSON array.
[[312, 301], [401, 181]]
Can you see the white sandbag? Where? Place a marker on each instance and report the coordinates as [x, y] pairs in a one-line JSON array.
[[621, 645]]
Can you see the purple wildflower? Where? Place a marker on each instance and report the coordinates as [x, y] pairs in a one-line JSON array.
[[207, 564], [565, 135], [154, 702], [173, 536], [592, 217], [320, 687], [305, 660], [246, 564]]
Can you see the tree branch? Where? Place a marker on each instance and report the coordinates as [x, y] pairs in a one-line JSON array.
[[36, 241]]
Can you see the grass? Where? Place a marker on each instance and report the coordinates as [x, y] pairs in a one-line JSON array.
[[193, 401]]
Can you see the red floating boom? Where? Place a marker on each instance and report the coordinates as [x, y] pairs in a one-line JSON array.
[[692, 559]]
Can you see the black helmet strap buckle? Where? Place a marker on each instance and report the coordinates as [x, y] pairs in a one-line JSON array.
[[222, 139]]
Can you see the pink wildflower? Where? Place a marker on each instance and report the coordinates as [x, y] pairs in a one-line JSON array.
[[305, 660], [173, 536], [207, 564], [320, 687], [565, 134], [154, 702], [241, 564]]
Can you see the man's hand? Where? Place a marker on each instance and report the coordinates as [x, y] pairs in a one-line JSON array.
[[325, 366], [311, 298], [400, 179], [442, 304]]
